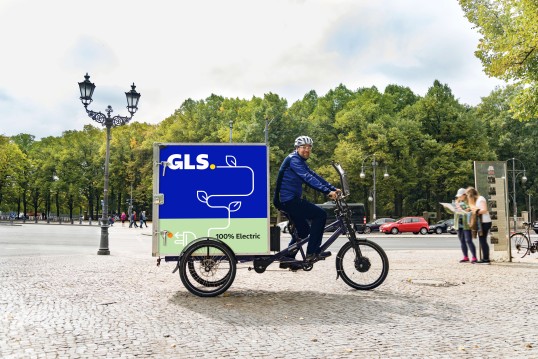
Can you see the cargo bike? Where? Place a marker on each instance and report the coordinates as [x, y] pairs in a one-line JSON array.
[[207, 264]]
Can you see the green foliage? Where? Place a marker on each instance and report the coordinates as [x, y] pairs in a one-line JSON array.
[[426, 144], [508, 46]]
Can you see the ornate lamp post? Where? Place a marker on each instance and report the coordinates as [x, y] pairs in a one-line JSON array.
[[86, 92], [516, 173], [363, 175]]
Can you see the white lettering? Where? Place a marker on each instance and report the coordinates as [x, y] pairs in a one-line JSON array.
[[203, 163], [179, 162], [173, 164], [187, 161]]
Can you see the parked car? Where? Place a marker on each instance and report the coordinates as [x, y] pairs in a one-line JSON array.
[[283, 226], [441, 226], [406, 224], [374, 225], [451, 229], [535, 226]]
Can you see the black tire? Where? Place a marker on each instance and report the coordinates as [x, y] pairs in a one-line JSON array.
[[367, 230], [365, 272], [394, 230], [207, 268], [424, 231], [520, 244], [438, 230]]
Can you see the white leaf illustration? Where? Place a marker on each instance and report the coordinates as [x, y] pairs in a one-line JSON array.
[[234, 206], [231, 161], [202, 196]]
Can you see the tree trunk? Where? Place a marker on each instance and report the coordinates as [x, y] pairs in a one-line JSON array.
[[35, 200]]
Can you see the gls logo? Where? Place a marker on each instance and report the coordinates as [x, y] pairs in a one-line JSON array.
[[183, 162]]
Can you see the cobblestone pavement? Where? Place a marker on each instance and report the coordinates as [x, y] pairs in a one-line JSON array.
[[123, 305]]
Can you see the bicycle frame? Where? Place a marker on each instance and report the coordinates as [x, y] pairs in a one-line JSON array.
[[341, 227]]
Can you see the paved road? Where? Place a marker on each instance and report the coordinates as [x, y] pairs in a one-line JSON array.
[[81, 305], [48, 239], [67, 239]]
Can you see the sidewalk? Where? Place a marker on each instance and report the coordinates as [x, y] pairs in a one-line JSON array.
[[123, 305]]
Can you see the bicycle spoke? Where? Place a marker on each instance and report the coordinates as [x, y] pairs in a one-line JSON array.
[[520, 244]]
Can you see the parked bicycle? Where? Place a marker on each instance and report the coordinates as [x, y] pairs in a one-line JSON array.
[[521, 241], [207, 266]]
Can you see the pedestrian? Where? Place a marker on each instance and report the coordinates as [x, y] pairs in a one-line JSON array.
[[293, 173], [480, 222], [123, 218], [143, 219], [133, 220], [461, 224]]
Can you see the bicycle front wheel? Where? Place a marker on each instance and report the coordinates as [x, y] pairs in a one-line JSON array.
[[520, 244], [365, 270], [207, 268]]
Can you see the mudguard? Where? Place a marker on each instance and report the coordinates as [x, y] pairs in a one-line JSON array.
[[198, 240]]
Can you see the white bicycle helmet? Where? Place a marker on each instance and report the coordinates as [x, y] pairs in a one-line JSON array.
[[303, 140]]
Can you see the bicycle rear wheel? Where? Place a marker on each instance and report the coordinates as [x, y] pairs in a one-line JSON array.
[[520, 244], [366, 271], [207, 268]]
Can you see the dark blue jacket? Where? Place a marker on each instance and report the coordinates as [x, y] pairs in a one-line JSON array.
[[292, 174]]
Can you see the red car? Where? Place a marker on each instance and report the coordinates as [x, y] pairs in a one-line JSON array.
[[406, 224]]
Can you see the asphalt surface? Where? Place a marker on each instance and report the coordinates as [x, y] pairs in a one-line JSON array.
[[62, 300]]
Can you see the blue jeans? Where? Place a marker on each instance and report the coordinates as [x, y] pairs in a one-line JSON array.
[[300, 212], [466, 241]]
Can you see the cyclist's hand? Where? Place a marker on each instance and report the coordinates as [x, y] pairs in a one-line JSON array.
[[334, 194]]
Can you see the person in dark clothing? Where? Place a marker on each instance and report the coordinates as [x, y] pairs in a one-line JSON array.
[[133, 220], [287, 197], [143, 219]]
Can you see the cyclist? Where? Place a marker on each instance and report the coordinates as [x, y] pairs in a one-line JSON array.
[[292, 174]]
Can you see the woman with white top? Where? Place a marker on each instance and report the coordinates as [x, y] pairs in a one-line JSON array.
[[479, 207]]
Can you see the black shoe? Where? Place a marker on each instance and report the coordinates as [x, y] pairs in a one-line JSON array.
[[317, 256], [291, 266], [484, 261]]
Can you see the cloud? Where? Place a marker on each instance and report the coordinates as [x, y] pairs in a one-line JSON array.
[[174, 50], [91, 53]]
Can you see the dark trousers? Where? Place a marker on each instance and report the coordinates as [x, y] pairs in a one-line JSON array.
[[300, 212], [483, 239], [466, 241]]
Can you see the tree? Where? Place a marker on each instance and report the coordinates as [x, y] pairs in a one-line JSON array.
[[510, 138], [456, 139], [508, 48], [12, 162], [25, 142]]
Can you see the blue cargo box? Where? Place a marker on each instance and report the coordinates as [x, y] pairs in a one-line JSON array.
[[210, 190]]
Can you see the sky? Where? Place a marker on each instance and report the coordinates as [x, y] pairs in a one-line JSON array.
[[174, 50]]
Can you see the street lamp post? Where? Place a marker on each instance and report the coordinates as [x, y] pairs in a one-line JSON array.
[[374, 191], [266, 130], [231, 129], [86, 92], [516, 173]]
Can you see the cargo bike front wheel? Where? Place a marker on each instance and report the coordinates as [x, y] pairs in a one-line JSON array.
[[207, 268], [364, 267]]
